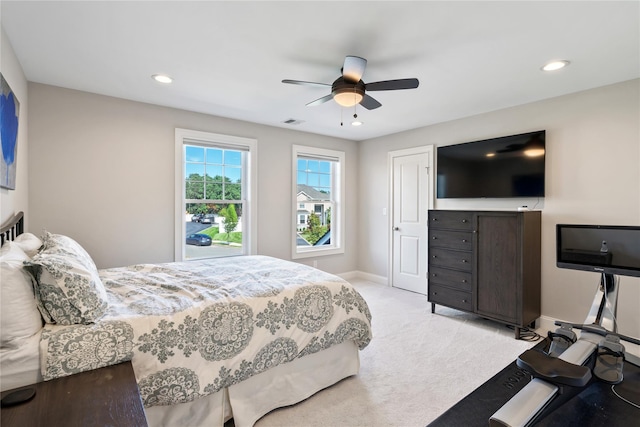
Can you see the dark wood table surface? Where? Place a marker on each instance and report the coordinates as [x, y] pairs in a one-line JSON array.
[[102, 397]]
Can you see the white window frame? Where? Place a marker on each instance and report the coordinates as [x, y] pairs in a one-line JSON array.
[[338, 179], [249, 182]]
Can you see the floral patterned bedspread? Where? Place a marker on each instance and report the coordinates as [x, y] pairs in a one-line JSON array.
[[194, 328]]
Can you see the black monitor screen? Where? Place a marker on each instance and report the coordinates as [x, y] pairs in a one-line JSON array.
[[599, 248]]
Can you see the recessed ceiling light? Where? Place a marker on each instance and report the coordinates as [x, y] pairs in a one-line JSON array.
[[356, 123], [162, 78], [555, 65]]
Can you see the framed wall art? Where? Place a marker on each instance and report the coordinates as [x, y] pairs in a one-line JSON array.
[[9, 115]]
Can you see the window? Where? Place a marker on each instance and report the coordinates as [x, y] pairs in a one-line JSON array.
[[318, 191], [214, 195]]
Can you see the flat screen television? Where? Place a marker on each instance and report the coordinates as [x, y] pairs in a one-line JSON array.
[[608, 249], [509, 166]]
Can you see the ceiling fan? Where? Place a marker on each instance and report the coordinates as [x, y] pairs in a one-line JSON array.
[[349, 89]]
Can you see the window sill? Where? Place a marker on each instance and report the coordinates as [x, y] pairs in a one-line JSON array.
[[311, 253]]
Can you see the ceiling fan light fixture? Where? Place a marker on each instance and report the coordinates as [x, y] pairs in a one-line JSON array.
[[347, 98], [347, 94], [356, 123]]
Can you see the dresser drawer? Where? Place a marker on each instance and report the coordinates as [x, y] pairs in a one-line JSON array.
[[455, 220], [458, 260], [451, 239], [450, 297], [460, 280]]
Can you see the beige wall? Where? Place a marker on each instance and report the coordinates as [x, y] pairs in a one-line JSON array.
[[102, 171], [12, 201], [592, 176]]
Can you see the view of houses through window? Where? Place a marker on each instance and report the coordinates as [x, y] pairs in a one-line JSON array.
[[213, 201], [317, 193]]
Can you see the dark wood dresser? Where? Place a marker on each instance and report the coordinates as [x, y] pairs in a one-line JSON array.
[[487, 263], [102, 397]]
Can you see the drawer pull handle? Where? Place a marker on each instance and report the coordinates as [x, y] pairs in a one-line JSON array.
[[434, 238], [433, 256], [435, 219], [464, 240], [435, 293], [464, 300], [464, 280], [464, 220], [434, 275], [464, 261]]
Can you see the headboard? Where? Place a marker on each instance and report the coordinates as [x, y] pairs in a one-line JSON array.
[[12, 228]]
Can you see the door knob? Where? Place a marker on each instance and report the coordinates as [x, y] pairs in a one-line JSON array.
[[396, 229]]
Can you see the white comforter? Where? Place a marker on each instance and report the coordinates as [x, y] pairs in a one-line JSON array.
[[196, 327]]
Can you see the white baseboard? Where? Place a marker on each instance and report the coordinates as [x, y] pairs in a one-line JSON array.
[[351, 275], [546, 324]]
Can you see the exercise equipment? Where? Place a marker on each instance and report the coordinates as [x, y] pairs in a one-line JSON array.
[[562, 373]]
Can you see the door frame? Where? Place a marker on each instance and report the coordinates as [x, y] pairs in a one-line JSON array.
[[391, 155]]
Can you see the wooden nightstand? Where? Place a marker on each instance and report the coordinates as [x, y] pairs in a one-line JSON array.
[[102, 397]]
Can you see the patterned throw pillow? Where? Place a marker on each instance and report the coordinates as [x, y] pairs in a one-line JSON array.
[[68, 288]]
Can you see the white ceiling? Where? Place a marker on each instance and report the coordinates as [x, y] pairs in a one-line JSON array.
[[229, 58]]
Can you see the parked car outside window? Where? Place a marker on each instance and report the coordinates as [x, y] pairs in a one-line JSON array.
[[208, 219], [196, 217], [198, 239]]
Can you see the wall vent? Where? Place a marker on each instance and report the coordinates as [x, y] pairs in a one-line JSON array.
[[293, 122]]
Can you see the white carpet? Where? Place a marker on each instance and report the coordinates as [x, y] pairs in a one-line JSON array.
[[417, 365]]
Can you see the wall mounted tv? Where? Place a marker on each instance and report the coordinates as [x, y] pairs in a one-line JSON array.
[[509, 166], [608, 249]]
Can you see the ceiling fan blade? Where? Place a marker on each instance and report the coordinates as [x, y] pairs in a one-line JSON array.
[[353, 68], [300, 82], [369, 103], [320, 100], [393, 84]]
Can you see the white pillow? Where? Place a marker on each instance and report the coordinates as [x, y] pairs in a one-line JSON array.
[[29, 243], [19, 314]]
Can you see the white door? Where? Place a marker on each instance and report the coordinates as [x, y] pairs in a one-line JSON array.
[[411, 199]]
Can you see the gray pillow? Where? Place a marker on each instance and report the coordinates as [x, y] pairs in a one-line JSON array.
[[68, 287]]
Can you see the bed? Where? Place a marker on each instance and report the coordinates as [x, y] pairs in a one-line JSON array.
[[209, 340]]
